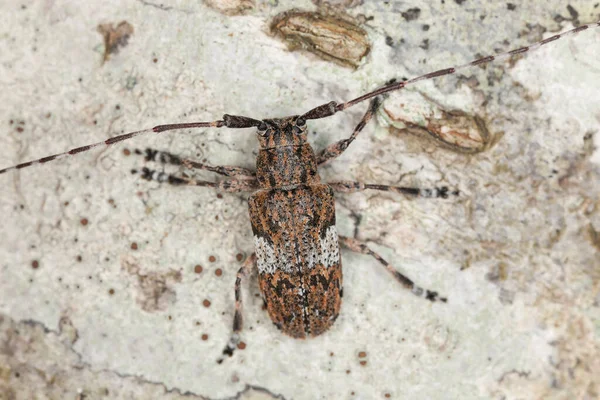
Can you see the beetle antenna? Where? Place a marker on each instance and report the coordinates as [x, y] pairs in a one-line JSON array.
[[331, 108], [229, 121]]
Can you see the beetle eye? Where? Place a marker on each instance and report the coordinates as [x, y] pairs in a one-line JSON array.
[[262, 128], [300, 122]]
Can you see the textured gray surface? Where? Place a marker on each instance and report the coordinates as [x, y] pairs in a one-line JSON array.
[[516, 254]]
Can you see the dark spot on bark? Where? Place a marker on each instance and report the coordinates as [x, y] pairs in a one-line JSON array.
[[573, 12], [411, 14]]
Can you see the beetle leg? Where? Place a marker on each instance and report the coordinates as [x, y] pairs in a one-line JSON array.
[[232, 185], [165, 157], [238, 319], [337, 148], [360, 247], [350, 187]]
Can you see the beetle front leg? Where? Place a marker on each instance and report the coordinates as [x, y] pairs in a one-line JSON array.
[[165, 157], [334, 150], [351, 187], [238, 319], [360, 247]]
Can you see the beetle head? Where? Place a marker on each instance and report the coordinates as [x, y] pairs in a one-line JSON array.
[[282, 132]]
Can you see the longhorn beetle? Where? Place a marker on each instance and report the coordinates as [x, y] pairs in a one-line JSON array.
[[291, 211]]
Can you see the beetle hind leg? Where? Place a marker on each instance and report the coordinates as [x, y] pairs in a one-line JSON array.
[[359, 247], [238, 320]]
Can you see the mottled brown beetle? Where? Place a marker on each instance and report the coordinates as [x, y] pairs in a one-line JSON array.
[[292, 212]]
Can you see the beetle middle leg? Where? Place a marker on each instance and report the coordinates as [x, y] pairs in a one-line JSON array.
[[351, 186], [334, 150], [238, 320], [360, 247], [231, 185]]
